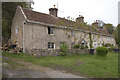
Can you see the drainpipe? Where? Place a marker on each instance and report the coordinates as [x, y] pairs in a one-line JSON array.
[[23, 38]]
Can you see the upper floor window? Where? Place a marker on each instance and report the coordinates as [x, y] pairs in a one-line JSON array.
[[50, 30], [16, 30]]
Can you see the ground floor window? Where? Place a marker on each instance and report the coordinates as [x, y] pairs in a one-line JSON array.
[[83, 43], [51, 44]]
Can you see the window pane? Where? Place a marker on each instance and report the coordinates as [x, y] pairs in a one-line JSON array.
[[50, 45], [50, 30], [17, 29]]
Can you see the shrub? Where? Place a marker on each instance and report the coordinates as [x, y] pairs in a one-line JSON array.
[[76, 46], [108, 45], [101, 51], [84, 47], [103, 44], [63, 49], [112, 48], [62, 54]]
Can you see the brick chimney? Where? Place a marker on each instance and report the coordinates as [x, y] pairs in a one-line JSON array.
[[53, 11], [80, 19], [95, 24]]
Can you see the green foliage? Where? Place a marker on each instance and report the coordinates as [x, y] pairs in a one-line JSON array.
[[85, 64], [91, 42], [117, 34], [69, 36], [82, 47], [77, 46], [98, 36], [8, 11], [108, 45], [103, 44], [86, 46], [101, 51], [62, 54], [109, 28], [112, 48], [63, 49]]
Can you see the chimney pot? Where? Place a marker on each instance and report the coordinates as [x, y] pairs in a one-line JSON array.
[[95, 23], [80, 19], [53, 11], [54, 6]]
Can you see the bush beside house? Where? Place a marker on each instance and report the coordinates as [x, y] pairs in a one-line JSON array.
[[101, 51], [63, 49]]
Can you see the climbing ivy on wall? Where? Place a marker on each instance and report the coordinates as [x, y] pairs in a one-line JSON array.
[[91, 42]]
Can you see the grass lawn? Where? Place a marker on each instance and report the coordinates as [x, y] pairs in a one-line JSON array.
[[85, 65]]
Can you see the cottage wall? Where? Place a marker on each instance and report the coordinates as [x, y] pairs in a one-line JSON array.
[[98, 40], [17, 21], [37, 37]]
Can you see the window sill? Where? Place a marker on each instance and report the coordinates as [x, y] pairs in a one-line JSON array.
[[51, 34], [51, 48]]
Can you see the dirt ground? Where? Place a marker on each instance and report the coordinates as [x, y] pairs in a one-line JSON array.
[[29, 70]]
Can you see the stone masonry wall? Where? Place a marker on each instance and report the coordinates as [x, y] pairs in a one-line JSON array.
[[55, 52], [17, 22], [36, 36]]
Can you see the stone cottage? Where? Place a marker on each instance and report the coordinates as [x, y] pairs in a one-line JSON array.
[[35, 30]]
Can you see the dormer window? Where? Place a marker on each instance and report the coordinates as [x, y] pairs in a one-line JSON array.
[[50, 30]]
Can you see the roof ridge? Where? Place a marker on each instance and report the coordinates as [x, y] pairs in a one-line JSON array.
[[59, 21], [47, 14], [38, 12], [35, 11]]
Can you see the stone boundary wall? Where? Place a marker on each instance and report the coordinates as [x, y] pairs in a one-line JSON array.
[[55, 52]]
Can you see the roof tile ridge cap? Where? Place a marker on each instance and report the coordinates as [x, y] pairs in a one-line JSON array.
[[23, 12]]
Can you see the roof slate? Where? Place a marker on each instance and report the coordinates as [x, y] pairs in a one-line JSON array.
[[49, 19]]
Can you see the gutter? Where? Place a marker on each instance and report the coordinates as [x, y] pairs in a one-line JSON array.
[[23, 38]]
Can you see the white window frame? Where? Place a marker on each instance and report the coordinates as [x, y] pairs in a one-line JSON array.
[[51, 45]]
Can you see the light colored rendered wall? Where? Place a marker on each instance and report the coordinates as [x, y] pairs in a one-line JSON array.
[[37, 37], [99, 40]]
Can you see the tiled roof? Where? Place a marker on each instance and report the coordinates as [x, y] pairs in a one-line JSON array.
[[49, 19]]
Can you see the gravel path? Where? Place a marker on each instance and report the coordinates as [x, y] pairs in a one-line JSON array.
[[29, 70]]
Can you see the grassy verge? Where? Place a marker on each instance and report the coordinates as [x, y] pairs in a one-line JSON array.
[[85, 65]]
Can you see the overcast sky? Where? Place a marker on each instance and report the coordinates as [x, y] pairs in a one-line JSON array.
[[105, 10]]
